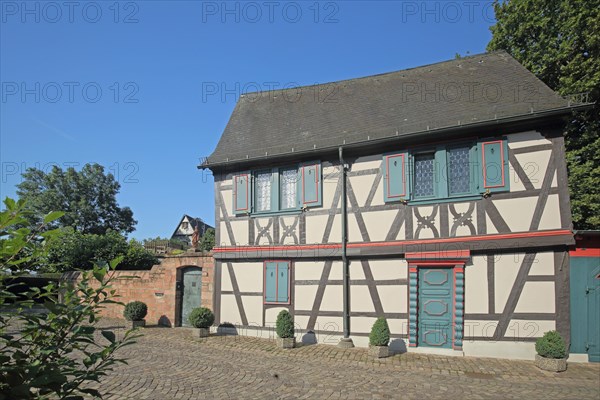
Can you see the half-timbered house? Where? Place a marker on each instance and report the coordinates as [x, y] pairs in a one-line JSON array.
[[435, 197]]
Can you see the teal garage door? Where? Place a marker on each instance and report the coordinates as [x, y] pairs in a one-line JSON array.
[[585, 306], [435, 307]]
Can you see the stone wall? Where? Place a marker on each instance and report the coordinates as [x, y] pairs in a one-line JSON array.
[[158, 287]]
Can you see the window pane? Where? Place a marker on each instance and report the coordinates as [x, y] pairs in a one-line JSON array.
[[424, 175], [288, 179], [263, 191], [459, 174]]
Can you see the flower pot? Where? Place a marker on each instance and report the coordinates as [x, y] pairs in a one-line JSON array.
[[203, 332], [135, 324], [551, 364], [379, 351], [286, 343]]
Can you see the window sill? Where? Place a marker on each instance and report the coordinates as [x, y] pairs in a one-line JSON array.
[[273, 213], [454, 199]]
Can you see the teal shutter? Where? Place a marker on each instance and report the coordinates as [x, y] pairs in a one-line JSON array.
[[283, 282], [396, 177], [493, 158], [311, 184], [241, 193], [270, 282]]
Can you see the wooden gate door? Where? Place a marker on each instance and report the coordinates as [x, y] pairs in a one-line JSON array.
[[435, 307], [192, 292]]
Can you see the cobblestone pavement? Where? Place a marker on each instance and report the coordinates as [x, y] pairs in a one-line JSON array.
[[172, 364]]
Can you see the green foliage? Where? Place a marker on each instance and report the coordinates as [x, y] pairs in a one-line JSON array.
[[551, 345], [53, 354], [207, 242], [380, 333], [558, 41], [284, 325], [88, 198], [137, 257], [201, 317], [71, 250], [135, 311]]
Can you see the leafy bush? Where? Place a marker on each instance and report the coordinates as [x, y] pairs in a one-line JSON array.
[[380, 333], [201, 317], [135, 311], [551, 345], [72, 250], [53, 354], [284, 325]]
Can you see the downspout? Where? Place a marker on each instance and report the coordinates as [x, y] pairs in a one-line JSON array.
[[346, 341]]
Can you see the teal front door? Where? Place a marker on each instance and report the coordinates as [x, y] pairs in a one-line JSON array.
[[585, 306], [192, 292], [435, 307]]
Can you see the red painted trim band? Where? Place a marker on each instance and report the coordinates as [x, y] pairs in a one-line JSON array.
[[397, 243], [587, 252]]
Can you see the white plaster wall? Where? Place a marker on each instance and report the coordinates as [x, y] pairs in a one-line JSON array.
[[229, 310], [240, 232], [308, 270], [332, 298], [513, 350], [360, 299], [304, 297], [518, 328], [517, 213], [361, 186], [227, 202], [315, 228], [360, 165], [551, 215], [506, 269], [253, 309], [476, 286], [543, 264], [378, 224], [537, 297], [225, 279], [249, 276], [526, 139], [534, 165], [389, 269], [394, 298]]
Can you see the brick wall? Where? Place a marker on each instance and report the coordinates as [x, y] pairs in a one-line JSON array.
[[157, 287]]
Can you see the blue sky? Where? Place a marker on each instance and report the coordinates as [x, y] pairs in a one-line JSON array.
[[145, 88]]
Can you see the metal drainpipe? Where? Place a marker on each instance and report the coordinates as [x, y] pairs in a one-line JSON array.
[[345, 342]]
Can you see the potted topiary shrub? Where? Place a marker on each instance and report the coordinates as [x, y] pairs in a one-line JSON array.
[[551, 352], [285, 330], [136, 312], [379, 339], [202, 318]]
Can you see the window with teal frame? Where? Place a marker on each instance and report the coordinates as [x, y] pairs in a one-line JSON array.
[[445, 172], [278, 190]]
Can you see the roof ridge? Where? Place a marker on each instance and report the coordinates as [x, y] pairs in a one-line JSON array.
[[378, 75]]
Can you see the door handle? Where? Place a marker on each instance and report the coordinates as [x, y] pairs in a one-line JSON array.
[[589, 289]]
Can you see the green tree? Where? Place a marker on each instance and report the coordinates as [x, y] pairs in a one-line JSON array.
[[207, 242], [71, 250], [56, 353], [559, 41], [88, 198]]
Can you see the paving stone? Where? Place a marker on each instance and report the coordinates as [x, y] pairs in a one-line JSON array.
[[169, 363]]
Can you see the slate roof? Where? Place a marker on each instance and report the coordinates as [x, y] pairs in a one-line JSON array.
[[484, 87]]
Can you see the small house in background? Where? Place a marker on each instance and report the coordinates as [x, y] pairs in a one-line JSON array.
[[186, 227]]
